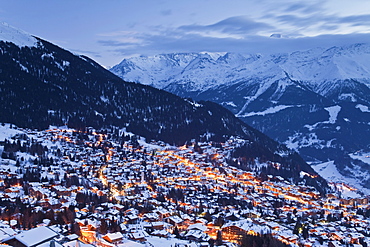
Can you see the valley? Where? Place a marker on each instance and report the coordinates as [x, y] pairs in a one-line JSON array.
[[314, 101]]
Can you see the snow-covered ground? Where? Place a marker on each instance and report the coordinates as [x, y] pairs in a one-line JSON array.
[[16, 36], [167, 242], [333, 113], [6, 131], [363, 108], [300, 140], [270, 110], [329, 171], [333, 116], [364, 157]]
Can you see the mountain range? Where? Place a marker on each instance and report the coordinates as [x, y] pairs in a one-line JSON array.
[[317, 101], [43, 84]]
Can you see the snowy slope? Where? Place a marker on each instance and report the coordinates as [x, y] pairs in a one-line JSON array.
[[6, 132], [330, 172], [154, 70], [16, 36]]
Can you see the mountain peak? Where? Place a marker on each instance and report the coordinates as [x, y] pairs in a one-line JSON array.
[[313, 66], [276, 36], [16, 36], [213, 55]]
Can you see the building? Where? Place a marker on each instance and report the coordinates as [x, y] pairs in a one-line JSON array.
[[33, 237]]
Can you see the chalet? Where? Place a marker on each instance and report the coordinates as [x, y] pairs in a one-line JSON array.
[[355, 237], [61, 190], [138, 236], [273, 225], [355, 201], [75, 243], [72, 237], [176, 221], [203, 244], [235, 231], [33, 237], [336, 235], [163, 213], [232, 217], [334, 244], [150, 217], [51, 243], [50, 202], [115, 237], [197, 226], [132, 219], [5, 232], [197, 235], [12, 190], [158, 225], [160, 233]]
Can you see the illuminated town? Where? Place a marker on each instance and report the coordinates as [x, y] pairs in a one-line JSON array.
[[111, 188]]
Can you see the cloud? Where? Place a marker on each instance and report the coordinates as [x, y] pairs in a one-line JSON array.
[[296, 7], [320, 21], [166, 12], [89, 53], [329, 27], [242, 35], [120, 39], [334, 19], [156, 44], [356, 20], [232, 25], [115, 43], [304, 8], [296, 20]]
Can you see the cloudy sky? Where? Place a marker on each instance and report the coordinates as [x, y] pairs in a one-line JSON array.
[[109, 31]]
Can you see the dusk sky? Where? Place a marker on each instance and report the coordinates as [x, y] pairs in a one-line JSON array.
[[108, 31]]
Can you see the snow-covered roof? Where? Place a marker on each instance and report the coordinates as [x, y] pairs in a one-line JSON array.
[[247, 225], [48, 244], [160, 233], [176, 219], [137, 235], [76, 243], [129, 243], [72, 236], [197, 226], [36, 235], [6, 233], [113, 236], [197, 234]]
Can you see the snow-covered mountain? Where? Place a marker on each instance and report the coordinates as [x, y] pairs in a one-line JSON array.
[[322, 70], [316, 101]]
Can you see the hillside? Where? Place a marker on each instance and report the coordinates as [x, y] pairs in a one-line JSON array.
[[44, 85]]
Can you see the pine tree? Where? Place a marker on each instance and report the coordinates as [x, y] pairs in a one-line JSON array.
[[176, 232], [103, 228], [75, 228], [219, 238]]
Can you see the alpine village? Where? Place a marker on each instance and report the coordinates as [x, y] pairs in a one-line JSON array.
[[88, 159]]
